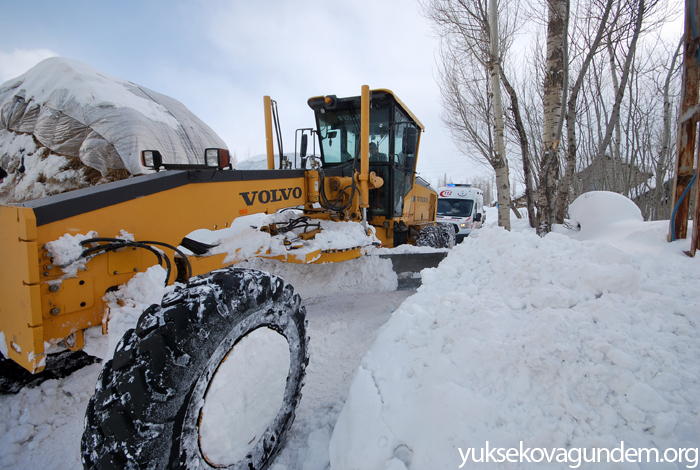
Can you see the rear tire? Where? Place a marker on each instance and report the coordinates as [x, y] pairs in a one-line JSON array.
[[149, 399], [437, 236]]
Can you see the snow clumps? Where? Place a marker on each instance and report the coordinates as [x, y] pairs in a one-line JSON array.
[[551, 342]]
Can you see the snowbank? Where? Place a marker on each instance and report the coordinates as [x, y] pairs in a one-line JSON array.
[[597, 210], [552, 342]]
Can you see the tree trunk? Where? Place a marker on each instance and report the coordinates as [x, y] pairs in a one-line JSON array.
[[615, 143], [500, 162], [554, 89], [524, 149]]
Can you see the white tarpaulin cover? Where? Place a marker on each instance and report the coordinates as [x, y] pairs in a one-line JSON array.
[[78, 111]]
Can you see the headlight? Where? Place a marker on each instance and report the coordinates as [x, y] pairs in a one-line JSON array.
[[463, 225], [216, 158], [211, 157]]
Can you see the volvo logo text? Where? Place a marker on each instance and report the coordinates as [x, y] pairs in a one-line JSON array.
[[274, 195]]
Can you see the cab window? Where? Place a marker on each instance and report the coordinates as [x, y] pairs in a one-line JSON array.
[[339, 133]]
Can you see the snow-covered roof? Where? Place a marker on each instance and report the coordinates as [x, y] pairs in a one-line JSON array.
[[78, 111]]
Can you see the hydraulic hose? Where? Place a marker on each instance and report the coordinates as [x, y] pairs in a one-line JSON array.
[[678, 204], [112, 244]]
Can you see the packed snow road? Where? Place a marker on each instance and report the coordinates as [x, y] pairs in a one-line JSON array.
[[42, 426]]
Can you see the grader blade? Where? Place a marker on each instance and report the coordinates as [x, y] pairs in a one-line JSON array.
[[409, 265]]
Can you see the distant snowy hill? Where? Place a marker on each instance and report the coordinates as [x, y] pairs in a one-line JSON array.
[[63, 117]]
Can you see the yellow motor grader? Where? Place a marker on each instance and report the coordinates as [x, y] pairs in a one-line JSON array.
[[156, 402]]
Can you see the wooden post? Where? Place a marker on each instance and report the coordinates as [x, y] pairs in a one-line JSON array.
[[687, 126]]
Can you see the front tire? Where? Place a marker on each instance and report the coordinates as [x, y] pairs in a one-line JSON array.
[[150, 406], [437, 236]]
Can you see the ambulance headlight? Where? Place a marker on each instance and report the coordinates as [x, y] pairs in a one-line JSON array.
[[463, 225]]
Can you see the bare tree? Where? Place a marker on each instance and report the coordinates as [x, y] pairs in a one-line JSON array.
[[472, 45], [619, 94], [617, 129], [664, 147], [571, 115], [523, 141]]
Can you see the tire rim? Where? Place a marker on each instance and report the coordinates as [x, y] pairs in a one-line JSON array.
[[244, 396]]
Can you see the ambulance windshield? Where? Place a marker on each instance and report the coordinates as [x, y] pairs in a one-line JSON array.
[[455, 207]]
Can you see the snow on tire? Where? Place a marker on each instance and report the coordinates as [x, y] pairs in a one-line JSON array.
[[437, 236], [181, 391]]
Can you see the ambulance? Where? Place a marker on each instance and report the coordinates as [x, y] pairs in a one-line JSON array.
[[462, 206]]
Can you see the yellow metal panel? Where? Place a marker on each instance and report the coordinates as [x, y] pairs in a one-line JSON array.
[[317, 256], [58, 328], [205, 264], [334, 256], [125, 261], [295, 257], [73, 295], [20, 297], [364, 149], [165, 217], [269, 144]]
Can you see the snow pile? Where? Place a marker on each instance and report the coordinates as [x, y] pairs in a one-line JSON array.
[[76, 111], [125, 306], [599, 212], [42, 426], [552, 342], [611, 218], [244, 238], [27, 165], [356, 276]]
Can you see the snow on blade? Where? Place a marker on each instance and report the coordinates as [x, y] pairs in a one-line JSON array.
[[243, 239]]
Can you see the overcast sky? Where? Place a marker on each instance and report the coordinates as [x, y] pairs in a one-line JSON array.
[[220, 57]]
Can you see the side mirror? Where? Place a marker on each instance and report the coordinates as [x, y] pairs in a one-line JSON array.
[[477, 217], [151, 159], [410, 140], [304, 145]]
